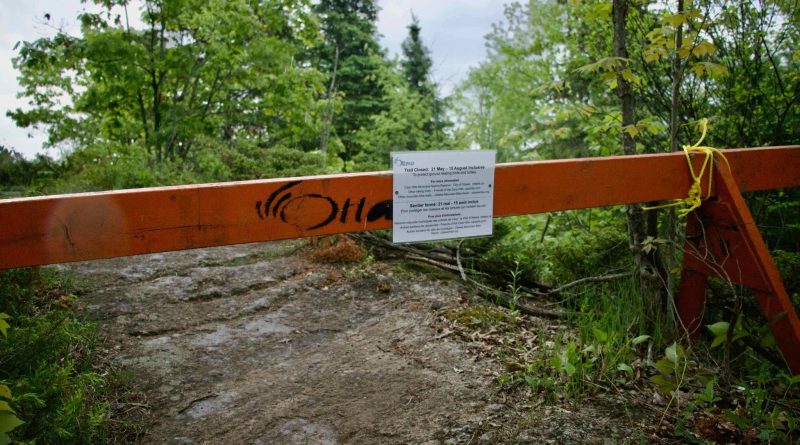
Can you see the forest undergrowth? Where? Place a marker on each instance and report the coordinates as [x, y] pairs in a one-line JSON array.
[[730, 386]]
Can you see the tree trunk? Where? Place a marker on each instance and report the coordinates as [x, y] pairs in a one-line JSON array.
[[677, 77], [673, 226], [323, 144], [648, 268]]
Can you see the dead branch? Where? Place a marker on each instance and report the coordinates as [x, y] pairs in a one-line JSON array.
[[507, 300], [458, 261], [372, 239], [415, 257], [600, 278], [503, 298]]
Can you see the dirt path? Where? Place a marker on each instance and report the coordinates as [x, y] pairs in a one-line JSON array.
[[257, 344]]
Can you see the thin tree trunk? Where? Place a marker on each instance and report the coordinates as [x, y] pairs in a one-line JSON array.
[[323, 144], [673, 227], [647, 267], [677, 78]]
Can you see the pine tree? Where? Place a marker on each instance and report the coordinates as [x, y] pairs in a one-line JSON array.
[[352, 58], [416, 66], [417, 62]]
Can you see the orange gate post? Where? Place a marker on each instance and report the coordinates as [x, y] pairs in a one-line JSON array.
[[722, 240]]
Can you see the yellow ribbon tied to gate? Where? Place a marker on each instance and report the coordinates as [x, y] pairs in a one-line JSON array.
[[695, 198]]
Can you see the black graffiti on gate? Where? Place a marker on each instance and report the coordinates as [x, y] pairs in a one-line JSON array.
[[277, 205]]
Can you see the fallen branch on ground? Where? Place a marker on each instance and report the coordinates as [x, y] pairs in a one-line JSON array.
[[501, 297], [600, 278]]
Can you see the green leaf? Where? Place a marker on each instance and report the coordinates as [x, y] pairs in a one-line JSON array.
[[664, 384], [703, 48], [569, 368], [674, 20], [588, 110], [601, 336], [628, 75], [658, 36], [640, 339], [665, 367], [605, 64], [4, 439], [653, 54], [8, 421], [4, 406], [632, 131], [601, 10], [718, 328], [4, 328], [693, 13], [671, 353], [625, 367], [5, 392], [684, 51], [708, 393], [707, 68], [4, 316]]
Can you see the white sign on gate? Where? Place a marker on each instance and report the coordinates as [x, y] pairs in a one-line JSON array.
[[442, 195]]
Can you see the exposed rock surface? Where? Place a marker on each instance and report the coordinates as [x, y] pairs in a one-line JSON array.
[[257, 344]]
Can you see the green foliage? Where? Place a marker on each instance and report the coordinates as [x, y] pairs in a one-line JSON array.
[[353, 60], [575, 245], [17, 173], [8, 417], [788, 264], [529, 100], [12, 166], [403, 126], [720, 332], [673, 369], [602, 351], [757, 408], [214, 91], [416, 66], [246, 160], [417, 62], [224, 69], [111, 166], [49, 362], [546, 88]]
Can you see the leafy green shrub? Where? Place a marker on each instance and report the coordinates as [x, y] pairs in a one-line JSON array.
[[514, 246], [8, 417], [579, 253], [255, 162], [570, 249], [112, 167], [49, 361], [788, 264]]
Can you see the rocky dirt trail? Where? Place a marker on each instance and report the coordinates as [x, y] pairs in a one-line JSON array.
[[257, 344]]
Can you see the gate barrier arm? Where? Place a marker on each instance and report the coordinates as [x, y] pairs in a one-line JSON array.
[[86, 226]]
